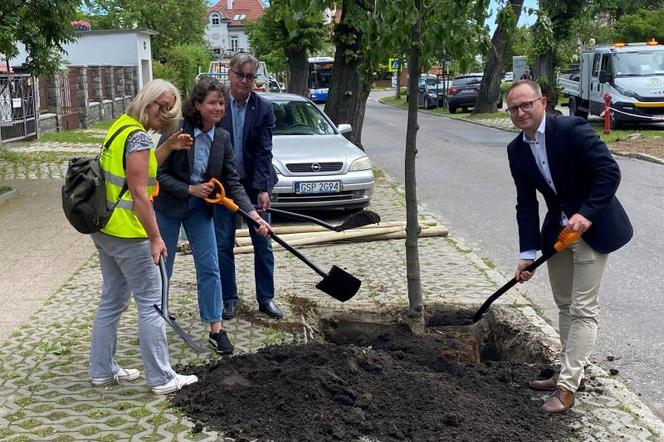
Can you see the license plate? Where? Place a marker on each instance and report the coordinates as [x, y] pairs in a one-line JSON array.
[[318, 187], [465, 91]]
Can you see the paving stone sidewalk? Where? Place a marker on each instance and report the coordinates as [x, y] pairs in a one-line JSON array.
[[45, 393]]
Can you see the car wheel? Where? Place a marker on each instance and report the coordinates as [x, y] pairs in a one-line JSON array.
[[451, 109], [427, 105]]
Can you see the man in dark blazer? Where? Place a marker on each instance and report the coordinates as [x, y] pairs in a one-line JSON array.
[[250, 120], [564, 160]]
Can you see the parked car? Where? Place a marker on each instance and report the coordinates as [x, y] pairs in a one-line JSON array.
[[463, 93], [318, 168], [431, 92]]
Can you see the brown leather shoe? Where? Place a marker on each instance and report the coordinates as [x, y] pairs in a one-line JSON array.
[[552, 383], [559, 402]]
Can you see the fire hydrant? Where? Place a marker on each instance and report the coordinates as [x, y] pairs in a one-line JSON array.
[[607, 113]]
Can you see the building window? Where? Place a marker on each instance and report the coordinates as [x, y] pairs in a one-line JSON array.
[[238, 17], [234, 43], [216, 19], [217, 51]]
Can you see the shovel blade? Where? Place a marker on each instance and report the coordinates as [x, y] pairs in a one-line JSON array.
[[339, 284], [191, 342]]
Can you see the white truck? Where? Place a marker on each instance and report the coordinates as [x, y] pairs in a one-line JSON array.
[[633, 75]]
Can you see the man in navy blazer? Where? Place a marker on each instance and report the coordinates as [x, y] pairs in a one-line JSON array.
[[563, 159], [250, 120]]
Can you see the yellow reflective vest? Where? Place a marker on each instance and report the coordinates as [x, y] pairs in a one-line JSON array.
[[123, 222]]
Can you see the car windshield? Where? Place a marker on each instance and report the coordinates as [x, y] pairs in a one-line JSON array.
[[638, 64], [466, 80], [300, 118]]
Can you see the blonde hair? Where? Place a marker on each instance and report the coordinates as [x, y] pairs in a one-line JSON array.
[[149, 93]]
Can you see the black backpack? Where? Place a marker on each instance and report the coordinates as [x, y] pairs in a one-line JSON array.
[[84, 192]]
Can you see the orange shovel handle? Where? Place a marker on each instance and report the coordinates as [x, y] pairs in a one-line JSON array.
[[566, 238], [221, 196]]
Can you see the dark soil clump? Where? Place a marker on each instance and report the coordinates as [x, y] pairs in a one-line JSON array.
[[389, 387]]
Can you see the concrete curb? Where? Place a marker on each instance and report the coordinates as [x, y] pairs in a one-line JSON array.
[[8, 195], [638, 156]]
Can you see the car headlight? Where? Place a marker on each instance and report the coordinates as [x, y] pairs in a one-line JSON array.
[[360, 164], [432, 95]]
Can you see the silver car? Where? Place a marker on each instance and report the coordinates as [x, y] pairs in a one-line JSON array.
[[318, 168]]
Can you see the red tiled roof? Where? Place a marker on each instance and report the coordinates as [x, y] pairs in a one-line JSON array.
[[252, 10]]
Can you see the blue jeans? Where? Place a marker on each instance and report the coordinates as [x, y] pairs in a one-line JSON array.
[[225, 224], [197, 222], [127, 268]]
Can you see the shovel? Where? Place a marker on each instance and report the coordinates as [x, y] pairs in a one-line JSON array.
[[566, 238], [338, 283], [357, 219], [163, 311]]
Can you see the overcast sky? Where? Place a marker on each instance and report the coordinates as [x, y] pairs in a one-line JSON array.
[[524, 20]]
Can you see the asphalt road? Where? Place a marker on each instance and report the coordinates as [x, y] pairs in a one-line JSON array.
[[463, 178]]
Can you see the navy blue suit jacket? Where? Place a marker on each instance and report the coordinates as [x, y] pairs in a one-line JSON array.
[[259, 122], [586, 178]]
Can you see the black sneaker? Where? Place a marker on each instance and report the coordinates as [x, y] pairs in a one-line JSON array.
[[221, 343]]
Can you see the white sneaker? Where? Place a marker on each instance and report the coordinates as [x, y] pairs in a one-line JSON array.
[[123, 374], [179, 381]]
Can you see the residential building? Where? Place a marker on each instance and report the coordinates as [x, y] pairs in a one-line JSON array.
[[226, 31]]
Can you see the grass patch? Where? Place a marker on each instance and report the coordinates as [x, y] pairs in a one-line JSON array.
[[401, 102], [4, 189], [71, 136], [106, 125], [621, 134], [33, 157]]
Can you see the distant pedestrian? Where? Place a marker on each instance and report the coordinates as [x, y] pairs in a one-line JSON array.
[[526, 75], [130, 245], [183, 180], [250, 121], [564, 160]]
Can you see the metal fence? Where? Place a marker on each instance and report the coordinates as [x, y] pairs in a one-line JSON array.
[[18, 113]]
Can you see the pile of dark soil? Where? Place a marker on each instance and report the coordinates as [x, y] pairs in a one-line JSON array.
[[392, 386]]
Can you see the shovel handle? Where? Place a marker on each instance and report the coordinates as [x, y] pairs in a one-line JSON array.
[[565, 238], [230, 204], [302, 217]]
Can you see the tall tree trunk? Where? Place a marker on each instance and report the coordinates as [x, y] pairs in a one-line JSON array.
[[543, 69], [489, 94], [347, 97], [415, 308], [298, 67]]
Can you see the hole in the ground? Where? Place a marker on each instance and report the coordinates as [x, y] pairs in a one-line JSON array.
[[372, 378]]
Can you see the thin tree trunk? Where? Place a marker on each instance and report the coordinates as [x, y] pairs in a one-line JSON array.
[[415, 308], [349, 91], [398, 91], [298, 67], [489, 94]]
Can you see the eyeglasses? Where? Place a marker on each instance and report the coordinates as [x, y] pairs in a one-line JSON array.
[[163, 108], [525, 107], [243, 76]]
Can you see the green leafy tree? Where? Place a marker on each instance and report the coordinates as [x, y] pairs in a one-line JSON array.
[[640, 26], [176, 21], [182, 65], [43, 26], [423, 30], [284, 39], [554, 25]]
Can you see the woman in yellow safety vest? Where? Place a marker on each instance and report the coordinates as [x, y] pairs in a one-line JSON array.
[[130, 245]]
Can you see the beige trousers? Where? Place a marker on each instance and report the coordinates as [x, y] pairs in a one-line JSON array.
[[575, 274]]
